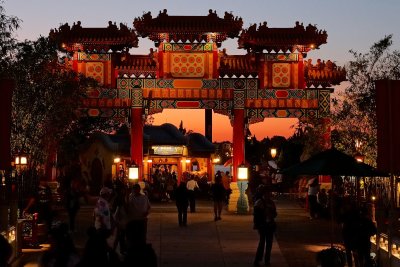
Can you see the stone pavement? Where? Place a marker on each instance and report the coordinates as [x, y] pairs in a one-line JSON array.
[[229, 242]]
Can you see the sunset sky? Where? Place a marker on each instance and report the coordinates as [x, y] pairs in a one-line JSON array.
[[354, 24]]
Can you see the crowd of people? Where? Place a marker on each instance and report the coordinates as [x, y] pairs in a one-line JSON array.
[[118, 236]]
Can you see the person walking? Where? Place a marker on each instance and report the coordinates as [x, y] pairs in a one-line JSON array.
[[120, 210], [365, 229], [218, 195], [264, 221], [322, 199], [40, 202], [226, 180], [102, 213], [97, 252], [62, 251], [139, 209], [349, 218], [140, 253], [313, 189], [73, 193], [192, 186], [182, 202]]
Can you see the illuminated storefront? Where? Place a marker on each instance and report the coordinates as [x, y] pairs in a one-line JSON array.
[[165, 149]]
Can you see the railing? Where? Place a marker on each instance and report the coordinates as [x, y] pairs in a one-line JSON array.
[[381, 245]]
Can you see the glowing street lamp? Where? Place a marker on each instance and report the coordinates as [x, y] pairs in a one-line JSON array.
[[216, 160], [242, 172], [359, 157], [21, 160], [243, 203], [273, 152], [133, 174]]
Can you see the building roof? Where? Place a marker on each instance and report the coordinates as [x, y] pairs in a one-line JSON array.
[[136, 65], [77, 38], [323, 74], [299, 38], [192, 28], [165, 134], [238, 65], [198, 143]]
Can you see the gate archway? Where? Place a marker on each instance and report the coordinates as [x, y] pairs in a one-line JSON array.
[[188, 71]]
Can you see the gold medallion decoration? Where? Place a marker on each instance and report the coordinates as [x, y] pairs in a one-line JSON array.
[[280, 75], [187, 65], [95, 70]]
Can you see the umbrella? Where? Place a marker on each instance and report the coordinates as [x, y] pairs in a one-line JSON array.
[[335, 163]]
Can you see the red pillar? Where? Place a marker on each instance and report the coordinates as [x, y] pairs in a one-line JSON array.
[[210, 170], [180, 170], [326, 144], [137, 139], [238, 141], [302, 83], [388, 117]]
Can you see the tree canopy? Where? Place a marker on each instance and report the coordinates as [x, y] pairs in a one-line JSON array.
[[46, 97], [354, 109], [8, 24]]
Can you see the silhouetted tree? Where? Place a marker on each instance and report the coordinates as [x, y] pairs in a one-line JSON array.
[[354, 109], [8, 24]]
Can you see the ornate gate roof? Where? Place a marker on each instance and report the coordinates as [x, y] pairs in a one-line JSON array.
[[300, 38], [187, 71], [191, 28], [77, 38]]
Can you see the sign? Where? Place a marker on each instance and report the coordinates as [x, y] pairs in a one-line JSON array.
[[167, 150]]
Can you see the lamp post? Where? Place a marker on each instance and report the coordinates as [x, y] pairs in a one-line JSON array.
[[243, 202], [21, 162], [187, 161], [149, 169], [115, 171]]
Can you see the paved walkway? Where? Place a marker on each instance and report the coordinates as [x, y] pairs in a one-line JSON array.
[[229, 242]]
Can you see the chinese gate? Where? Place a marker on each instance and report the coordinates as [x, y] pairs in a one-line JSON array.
[[188, 71]]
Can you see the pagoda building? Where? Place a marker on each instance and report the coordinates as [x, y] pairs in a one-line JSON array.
[[188, 70]]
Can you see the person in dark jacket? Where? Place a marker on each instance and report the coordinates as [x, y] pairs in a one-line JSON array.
[[264, 221], [349, 220], [365, 229], [218, 195], [182, 203], [140, 253]]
